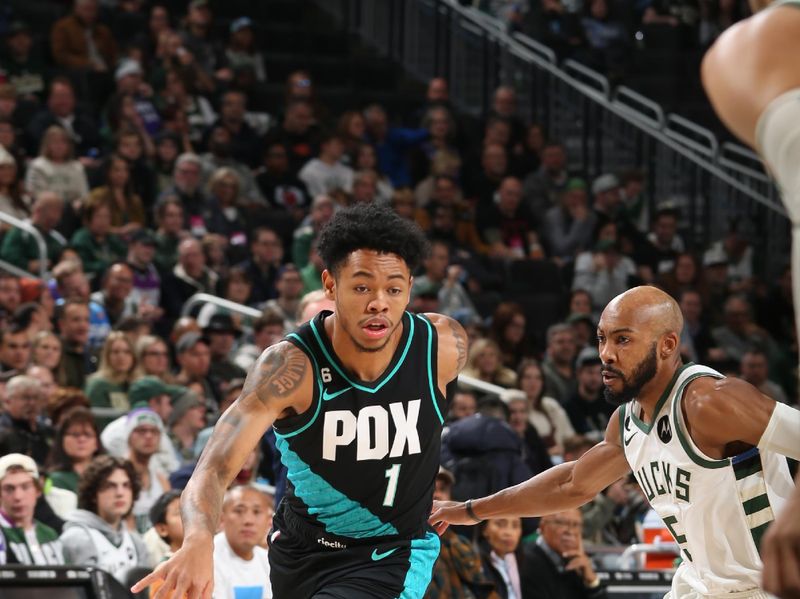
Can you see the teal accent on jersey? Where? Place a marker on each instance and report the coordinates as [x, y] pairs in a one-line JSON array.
[[430, 368], [387, 378], [424, 552], [311, 357], [343, 516]]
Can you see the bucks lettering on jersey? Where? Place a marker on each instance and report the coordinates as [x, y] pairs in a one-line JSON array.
[[362, 459], [717, 510]]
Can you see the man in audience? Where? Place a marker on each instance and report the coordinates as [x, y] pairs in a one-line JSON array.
[[241, 566], [568, 227], [262, 267], [296, 133], [186, 186], [740, 333], [754, 368], [115, 294], [80, 41], [325, 173], [144, 430], [542, 188], [152, 393], [28, 541], [96, 533], [21, 430], [170, 232], [464, 404], [588, 411], [289, 286], [245, 144], [189, 276], [446, 279], [146, 292], [194, 360], [10, 295], [77, 362], [391, 144], [21, 249], [557, 565], [15, 349], [188, 418], [221, 333], [268, 329], [557, 367]]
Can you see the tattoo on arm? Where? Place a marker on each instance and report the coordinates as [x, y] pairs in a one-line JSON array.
[[276, 374], [461, 342]]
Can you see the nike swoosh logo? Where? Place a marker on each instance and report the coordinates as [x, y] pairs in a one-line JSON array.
[[376, 557], [629, 439], [329, 396]]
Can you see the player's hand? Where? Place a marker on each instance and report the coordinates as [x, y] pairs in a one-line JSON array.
[[780, 551], [189, 573], [445, 513]]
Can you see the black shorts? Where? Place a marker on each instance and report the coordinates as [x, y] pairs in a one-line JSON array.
[[306, 563]]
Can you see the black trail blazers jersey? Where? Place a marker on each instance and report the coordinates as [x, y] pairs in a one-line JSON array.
[[363, 458]]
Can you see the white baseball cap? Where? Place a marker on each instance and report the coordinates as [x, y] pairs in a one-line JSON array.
[[18, 460]]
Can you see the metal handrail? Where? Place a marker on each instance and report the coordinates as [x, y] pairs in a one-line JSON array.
[[743, 159], [638, 550], [28, 227], [676, 127], [587, 77], [626, 97]]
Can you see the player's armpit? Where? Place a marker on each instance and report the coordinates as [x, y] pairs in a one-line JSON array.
[[453, 345], [719, 412], [281, 379]]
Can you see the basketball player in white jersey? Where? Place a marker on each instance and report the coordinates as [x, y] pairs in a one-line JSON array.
[[708, 452], [752, 78]]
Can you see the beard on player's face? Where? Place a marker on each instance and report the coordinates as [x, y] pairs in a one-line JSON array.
[[632, 385]]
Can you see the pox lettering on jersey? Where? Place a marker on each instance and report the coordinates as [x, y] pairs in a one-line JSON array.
[[369, 428]]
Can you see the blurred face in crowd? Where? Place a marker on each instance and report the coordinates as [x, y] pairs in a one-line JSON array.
[[574, 198], [196, 361], [276, 159], [437, 90], [172, 527], [267, 248], [191, 257], [531, 382], [561, 347], [100, 223], [442, 490], [510, 195], [322, 211], [439, 123], [159, 20], [503, 535], [115, 497], [130, 148], [75, 285], [144, 440], [118, 174], [10, 296], [488, 361], [497, 132], [18, 495], [268, 336], [15, 350], [246, 515], [590, 380], [437, 261], [155, 359], [120, 356], [562, 531], [74, 324], [444, 191], [24, 404], [172, 219], [48, 352], [187, 177], [80, 442], [737, 314], [332, 150], [356, 126], [494, 160], [364, 187], [20, 43], [8, 175], [554, 159], [142, 254], [86, 10], [46, 380], [7, 135], [299, 118], [599, 9], [755, 368], [505, 102], [665, 226], [220, 344], [61, 101], [290, 285], [366, 158], [234, 105], [515, 329], [518, 415], [238, 290], [691, 306], [685, 269], [377, 122], [535, 138], [47, 211], [167, 150]]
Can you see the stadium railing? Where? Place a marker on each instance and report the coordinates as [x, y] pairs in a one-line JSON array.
[[605, 129], [40, 243]]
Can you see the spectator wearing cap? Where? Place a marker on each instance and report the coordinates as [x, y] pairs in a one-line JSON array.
[[95, 243], [29, 541], [605, 272], [96, 533], [289, 285], [116, 295], [144, 429], [241, 50], [187, 420], [189, 276], [21, 249], [187, 187], [166, 535], [21, 427], [79, 41], [607, 198], [567, 228], [542, 188], [194, 361], [457, 571], [588, 411], [222, 332], [152, 393], [24, 64], [129, 82], [13, 200], [62, 110]]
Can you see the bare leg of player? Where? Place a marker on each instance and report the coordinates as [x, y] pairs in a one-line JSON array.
[[752, 76]]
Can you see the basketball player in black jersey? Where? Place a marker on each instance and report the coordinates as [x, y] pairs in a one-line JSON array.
[[357, 399]]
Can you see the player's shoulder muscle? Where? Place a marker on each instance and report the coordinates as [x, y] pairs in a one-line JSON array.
[[280, 378], [453, 342]]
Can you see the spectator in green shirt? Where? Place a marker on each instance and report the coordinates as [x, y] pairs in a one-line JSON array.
[[108, 387], [19, 246], [97, 246]]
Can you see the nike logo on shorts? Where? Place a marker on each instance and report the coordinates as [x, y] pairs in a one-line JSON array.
[[376, 557]]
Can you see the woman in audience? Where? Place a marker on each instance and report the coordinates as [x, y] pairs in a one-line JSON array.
[[351, 129], [56, 169], [77, 441], [108, 387], [226, 218], [686, 274], [95, 242], [367, 160], [127, 211], [508, 331], [546, 414], [46, 350], [501, 554], [441, 130], [152, 357], [484, 364]]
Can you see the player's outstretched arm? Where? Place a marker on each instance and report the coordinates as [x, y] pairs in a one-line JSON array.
[[780, 550], [279, 380], [562, 487], [719, 412]]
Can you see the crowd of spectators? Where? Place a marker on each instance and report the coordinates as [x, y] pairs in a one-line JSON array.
[[153, 170]]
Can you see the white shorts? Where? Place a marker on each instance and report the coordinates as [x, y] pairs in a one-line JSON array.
[[683, 589]]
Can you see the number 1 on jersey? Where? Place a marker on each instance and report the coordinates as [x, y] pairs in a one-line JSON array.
[[393, 474]]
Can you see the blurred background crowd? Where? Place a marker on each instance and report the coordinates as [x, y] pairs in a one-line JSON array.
[[158, 156]]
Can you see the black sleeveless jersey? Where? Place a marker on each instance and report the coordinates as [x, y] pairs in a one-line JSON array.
[[363, 458]]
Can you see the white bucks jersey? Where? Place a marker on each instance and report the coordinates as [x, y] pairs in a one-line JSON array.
[[717, 510], [114, 560]]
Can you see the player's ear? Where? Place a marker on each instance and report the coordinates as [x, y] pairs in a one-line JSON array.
[[670, 344], [328, 283]]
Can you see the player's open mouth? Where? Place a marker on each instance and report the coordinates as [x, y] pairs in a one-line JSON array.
[[375, 330], [608, 377]]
